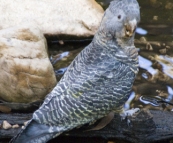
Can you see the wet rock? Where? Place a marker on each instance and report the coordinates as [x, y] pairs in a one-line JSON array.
[[155, 18], [169, 5], [151, 58], [166, 63], [143, 39], [26, 74], [158, 44], [5, 109], [149, 47], [163, 51], [15, 126], [6, 125], [25, 123], [22, 107], [155, 3], [76, 17], [167, 47], [61, 42]]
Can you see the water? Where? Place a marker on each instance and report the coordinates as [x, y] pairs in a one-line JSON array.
[[156, 63]]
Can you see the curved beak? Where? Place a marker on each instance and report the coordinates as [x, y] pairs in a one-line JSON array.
[[130, 27]]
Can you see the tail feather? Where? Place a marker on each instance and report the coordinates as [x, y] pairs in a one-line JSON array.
[[33, 133]]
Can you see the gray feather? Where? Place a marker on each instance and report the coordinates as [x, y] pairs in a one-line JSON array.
[[97, 82]]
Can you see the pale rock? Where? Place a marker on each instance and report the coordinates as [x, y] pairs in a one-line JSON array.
[[55, 17], [169, 5], [26, 74], [25, 123], [6, 125], [143, 39], [15, 126], [155, 18]]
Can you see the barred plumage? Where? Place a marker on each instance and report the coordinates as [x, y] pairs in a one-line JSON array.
[[98, 81]]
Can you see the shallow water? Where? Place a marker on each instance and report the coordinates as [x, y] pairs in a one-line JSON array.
[[156, 54]]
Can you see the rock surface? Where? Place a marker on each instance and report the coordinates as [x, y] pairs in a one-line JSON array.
[[15, 126], [26, 74], [76, 17], [6, 125]]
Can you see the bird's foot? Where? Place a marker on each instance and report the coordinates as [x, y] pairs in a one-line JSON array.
[[129, 112]]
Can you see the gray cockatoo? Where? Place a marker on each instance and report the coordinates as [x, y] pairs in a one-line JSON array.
[[98, 81]]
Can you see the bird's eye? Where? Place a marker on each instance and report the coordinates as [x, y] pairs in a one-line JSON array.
[[119, 16]]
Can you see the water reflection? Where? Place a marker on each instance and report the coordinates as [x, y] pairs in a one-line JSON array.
[[128, 102], [148, 100], [157, 100], [170, 94], [60, 71], [167, 64], [147, 65], [58, 57], [159, 75], [141, 31]]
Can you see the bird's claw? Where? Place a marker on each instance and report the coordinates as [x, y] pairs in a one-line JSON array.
[[130, 112], [127, 113]]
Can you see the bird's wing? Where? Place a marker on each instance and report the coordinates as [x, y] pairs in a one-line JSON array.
[[86, 90]]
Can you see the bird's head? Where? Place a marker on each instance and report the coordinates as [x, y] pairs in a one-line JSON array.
[[119, 22]]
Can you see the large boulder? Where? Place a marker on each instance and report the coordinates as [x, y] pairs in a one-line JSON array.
[[26, 74], [54, 17]]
